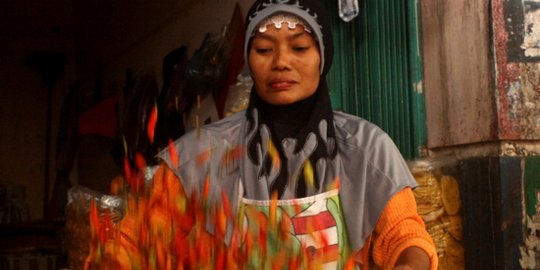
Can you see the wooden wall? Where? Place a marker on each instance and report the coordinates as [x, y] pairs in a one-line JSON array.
[[460, 107]]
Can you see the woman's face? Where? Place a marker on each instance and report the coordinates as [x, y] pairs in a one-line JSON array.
[[284, 64]]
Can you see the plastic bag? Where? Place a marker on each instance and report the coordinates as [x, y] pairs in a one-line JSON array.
[[78, 224], [238, 98], [348, 9]]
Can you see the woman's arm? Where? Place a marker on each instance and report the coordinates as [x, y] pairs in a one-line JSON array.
[[400, 238], [412, 258]]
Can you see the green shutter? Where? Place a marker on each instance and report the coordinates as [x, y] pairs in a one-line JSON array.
[[377, 69]]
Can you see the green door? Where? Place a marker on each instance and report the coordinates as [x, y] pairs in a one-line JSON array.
[[377, 69]]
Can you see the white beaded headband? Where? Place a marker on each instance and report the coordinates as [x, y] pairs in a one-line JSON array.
[[282, 18]]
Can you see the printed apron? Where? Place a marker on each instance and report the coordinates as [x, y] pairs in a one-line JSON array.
[[303, 233]]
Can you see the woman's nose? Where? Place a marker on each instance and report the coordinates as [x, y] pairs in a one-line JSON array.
[[281, 60]]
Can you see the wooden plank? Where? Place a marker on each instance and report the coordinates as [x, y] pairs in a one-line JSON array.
[[458, 89]]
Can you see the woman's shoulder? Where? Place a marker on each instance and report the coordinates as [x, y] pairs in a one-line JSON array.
[[368, 143], [232, 122], [225, 128], [216, 134], [357, 131]]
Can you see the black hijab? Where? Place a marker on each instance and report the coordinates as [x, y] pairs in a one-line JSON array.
[[298, 120]]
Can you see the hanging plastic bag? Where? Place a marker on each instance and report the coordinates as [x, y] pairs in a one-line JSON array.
[[78, 224], [348, 9]]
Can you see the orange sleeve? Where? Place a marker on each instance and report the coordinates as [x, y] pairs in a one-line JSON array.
[[398, 228]]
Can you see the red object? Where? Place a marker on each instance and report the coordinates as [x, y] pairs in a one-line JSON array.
[[152, 123], [173, 154], [100, 119]]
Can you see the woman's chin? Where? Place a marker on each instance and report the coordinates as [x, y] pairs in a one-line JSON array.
[[279, 102], [280, 99]]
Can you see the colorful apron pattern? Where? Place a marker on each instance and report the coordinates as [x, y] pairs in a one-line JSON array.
[[313, 225]]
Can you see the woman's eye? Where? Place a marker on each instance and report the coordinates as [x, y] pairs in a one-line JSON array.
[[263, 50], [300, 48]]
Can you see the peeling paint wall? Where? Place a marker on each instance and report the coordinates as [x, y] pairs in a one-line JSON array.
[[527, 107], [482, 73], [482, 88], [516, 26], [531, 25]]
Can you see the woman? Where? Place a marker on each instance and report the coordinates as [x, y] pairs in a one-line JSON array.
[[290, 145]]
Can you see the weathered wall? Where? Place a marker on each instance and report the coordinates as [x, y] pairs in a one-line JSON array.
[[482, 88], [529, 254], [491, 195], [457, 72], [516, 27], [482, 81]]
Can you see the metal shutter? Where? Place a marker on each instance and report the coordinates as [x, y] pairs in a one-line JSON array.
[[377, 69]]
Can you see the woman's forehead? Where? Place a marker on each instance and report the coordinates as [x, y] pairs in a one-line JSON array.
[[273, 33]]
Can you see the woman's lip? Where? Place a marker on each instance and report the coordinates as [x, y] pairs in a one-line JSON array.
[[281, 84]]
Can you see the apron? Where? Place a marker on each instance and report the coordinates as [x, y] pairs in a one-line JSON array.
[[305, 233]]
